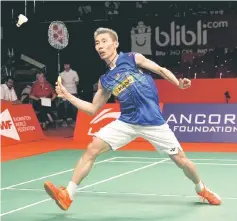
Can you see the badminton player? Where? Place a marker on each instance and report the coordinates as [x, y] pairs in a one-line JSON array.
[[129, 80]]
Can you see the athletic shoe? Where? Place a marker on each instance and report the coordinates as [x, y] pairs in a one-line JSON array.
[[211, 197], [60, 195]]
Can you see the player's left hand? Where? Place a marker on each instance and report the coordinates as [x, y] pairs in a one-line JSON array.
[[184, 83]]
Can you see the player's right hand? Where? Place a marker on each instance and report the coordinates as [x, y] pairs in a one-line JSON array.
[[60, 89]]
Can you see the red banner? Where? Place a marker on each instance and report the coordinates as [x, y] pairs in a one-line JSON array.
[[87, 125], [201, 91], [19, 124]]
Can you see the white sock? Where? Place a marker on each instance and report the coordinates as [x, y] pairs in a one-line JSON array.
[[199, 187], [71, 188]]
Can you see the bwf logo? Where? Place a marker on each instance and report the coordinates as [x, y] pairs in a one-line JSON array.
[[6, 125], [8, 128]]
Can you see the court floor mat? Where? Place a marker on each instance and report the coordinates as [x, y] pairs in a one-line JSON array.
[[122, 185]]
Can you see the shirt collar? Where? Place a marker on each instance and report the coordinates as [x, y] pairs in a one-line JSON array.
[[119, 55], [116, 62], [67, 71], [7, 88]]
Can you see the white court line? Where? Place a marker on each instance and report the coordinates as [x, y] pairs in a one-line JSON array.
[[54, 174], [122, 174], [160, 158], [86, 186], [126, 193], [149, 194], [147, 162], [124, 157], [27, 189]]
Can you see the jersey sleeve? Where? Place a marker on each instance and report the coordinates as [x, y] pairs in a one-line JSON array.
[[103, 81], [130, 57]]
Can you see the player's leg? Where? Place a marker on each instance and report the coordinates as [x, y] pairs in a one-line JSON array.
[[190, 171], [112, 136], [187, 166], [87, 160], [164, 139], [64, 196]]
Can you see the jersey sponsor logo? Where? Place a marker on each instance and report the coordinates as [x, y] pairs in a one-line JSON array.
[[123, 85]]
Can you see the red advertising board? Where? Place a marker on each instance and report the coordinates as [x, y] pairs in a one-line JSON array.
[[19, 124]]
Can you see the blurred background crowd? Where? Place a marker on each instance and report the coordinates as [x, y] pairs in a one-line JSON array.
[[192, 39]]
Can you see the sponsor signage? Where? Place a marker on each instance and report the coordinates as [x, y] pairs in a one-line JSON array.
[[179, 36], [19, 124], [216, 123]]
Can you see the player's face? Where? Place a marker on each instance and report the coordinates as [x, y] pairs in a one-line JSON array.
[[105, 46]]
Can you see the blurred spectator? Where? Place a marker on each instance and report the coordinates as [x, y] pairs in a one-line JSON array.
[[25, 94], [70, 81], [42, 89], [7, 91]]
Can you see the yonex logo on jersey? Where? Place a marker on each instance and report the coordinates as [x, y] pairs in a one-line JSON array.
[[123, 85], [117, 76], [141, 39]]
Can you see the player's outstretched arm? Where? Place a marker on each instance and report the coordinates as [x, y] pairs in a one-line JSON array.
[[100, 98], [149, 65]]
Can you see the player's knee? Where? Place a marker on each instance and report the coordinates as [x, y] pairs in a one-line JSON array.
[[96, 148], [92, 151], [180, 160]]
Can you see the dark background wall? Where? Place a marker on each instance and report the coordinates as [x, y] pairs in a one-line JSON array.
[[32, 38]]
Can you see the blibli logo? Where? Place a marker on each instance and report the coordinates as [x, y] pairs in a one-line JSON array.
[[141, 39], [179, 34]]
